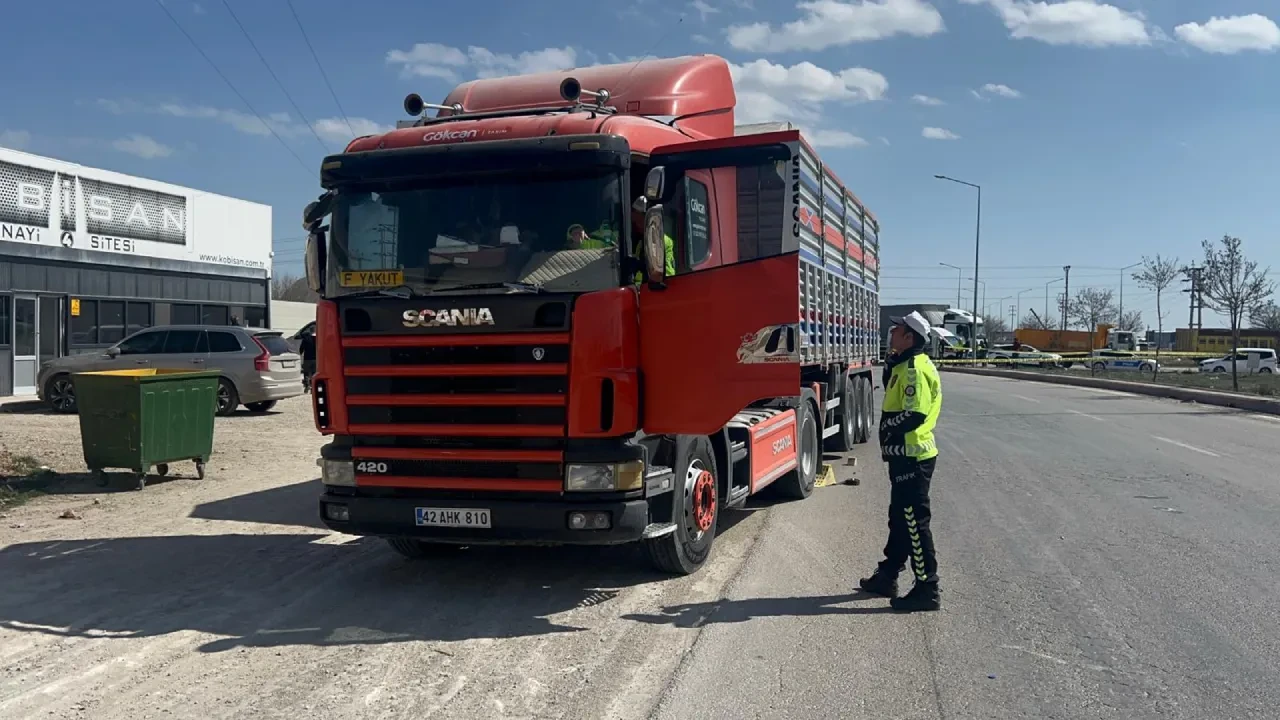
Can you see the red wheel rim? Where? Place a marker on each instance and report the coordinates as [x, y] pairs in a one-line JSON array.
[[704, 501]]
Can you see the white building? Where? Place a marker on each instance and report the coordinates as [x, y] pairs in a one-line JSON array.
[[89, 256]]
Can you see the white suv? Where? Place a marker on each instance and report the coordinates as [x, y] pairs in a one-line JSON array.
[[1246, 360]]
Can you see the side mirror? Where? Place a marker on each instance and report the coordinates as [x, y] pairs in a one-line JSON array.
[[113, 352], [654, 183], [314, 260], [655, 249], [316, 210], [640, 205]]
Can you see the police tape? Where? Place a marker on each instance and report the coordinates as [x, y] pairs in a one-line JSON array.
[[1060, 362]]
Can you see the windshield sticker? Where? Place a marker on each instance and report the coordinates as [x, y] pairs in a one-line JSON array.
[[371, 278]]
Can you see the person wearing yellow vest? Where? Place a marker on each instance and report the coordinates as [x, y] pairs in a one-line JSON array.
[[912, 401]]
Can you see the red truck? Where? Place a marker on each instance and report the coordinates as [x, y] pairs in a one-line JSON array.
[[505, 358]]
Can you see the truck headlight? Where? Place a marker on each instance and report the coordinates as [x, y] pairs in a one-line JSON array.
[[604, 478], [338, 472]]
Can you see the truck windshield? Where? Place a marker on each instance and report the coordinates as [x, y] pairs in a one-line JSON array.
[[560, 233]]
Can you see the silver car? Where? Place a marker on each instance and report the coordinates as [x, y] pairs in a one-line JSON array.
[[258, 367]]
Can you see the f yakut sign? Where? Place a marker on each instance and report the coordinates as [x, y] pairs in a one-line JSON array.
[[56, 204]]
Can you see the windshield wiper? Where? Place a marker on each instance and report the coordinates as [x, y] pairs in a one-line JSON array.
[[403, 292], [514, 286]]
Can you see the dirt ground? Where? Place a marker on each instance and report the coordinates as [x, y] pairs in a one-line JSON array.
[[226, 598]]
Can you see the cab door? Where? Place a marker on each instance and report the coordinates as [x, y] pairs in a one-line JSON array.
[[721, 335]]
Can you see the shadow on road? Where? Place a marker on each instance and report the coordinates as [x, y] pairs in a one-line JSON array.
[[693, 615], [297, 505], [276, 590]]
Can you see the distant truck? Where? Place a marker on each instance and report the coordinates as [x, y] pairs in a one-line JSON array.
[[1077, 341], [956, 322]]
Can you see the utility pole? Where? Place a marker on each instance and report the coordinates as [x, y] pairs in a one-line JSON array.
[[1196, 315], [977, 243], [1066, 294]]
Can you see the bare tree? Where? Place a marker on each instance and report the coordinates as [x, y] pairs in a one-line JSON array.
[[1092, 306], [1266, 317], [291, 288], [1131, 320], [1234, 286], [1033, 321], [1157, 274], [995, 325]]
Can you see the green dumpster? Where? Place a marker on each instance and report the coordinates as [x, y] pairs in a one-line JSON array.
[[144, 418]]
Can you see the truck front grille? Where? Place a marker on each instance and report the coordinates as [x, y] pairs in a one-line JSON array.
[[458, 412]]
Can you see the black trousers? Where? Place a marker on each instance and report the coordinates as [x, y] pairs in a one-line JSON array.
[[910, 538]]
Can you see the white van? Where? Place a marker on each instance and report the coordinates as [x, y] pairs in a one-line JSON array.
[[1246, 360]]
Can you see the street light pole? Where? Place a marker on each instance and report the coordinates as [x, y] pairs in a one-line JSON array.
[[1018, 314], [1066, 295], [1120, 314], [977, 244], [984, 292], [959, 273], [1045, 319]]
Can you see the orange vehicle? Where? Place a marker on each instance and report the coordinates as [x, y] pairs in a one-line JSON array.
[[503, 356], [1064, 341]]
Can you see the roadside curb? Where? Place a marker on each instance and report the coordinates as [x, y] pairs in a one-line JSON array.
[[21, 406], [1204, 397]]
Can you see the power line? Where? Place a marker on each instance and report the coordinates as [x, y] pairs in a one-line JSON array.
[[240, 95], [315, 57], [272, 73]]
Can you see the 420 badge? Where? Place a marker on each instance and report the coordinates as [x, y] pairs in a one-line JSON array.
[[371, 278]]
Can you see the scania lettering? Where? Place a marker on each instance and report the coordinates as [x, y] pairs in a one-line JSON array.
[[572, 389], [457, 316]]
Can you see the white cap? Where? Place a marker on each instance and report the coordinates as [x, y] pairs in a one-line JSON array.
[[915, 321]]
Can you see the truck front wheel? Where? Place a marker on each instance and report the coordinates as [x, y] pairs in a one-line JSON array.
[[695, 512]]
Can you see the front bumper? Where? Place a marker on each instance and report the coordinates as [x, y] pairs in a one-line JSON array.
[[513, 522]]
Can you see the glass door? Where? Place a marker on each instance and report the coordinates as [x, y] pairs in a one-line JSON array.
[[50, 336], [26, 338]]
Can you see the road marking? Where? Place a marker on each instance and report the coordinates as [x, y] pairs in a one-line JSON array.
[[1100, 391], [1183, 445], [336, 539], [1085, 414], [1024, 397]]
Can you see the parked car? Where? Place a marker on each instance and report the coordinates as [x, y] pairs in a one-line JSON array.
[[1246, 360], [1023, 354], [257, 366], [1122, 361]]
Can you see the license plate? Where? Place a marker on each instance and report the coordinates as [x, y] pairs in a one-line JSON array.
[[289, 363], [453, 517]]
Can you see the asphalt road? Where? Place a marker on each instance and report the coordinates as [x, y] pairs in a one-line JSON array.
[[1102, 556]]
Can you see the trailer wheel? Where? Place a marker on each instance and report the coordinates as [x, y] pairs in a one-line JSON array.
[[695, 512], [798, 484], [848, 417], [866, 410]]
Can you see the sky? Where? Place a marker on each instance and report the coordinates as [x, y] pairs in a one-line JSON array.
[[1100, 133]]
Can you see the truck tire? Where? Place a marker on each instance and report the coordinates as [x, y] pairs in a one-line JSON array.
[[415, 549], [866, 409], [798, 484], [848, 416], [695, 511]]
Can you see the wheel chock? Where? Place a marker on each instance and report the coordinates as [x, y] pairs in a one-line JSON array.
[[826, 476]]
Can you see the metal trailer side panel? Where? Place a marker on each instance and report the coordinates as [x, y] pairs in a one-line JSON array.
[[839, 298]]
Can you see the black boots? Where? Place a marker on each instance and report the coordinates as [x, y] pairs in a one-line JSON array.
[[880, 583], [924, 596]]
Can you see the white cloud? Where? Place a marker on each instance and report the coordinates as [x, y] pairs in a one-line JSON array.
[[833, 138], [451, 63], [15, 139], [1230, 35], [336, 130], [829, 23], [926, 100], [704, 9], [934, 133], [697, 37], [884, 140], [197, 8], [243, 122], [998, 90], [1071, 22], [768, 92], [143, 146]]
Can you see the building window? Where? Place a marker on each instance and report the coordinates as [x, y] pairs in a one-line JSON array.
[[110, 321], [84, 327], [6, 319], [214, 315], [255, 317], [184, 314], [138, 317]]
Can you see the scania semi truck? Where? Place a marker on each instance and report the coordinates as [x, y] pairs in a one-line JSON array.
[[583, 307]]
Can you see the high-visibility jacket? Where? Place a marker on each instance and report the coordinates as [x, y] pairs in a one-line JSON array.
[[912, 401], [670, 252]]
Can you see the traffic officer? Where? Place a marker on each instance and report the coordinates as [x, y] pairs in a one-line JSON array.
[[912, 401]]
